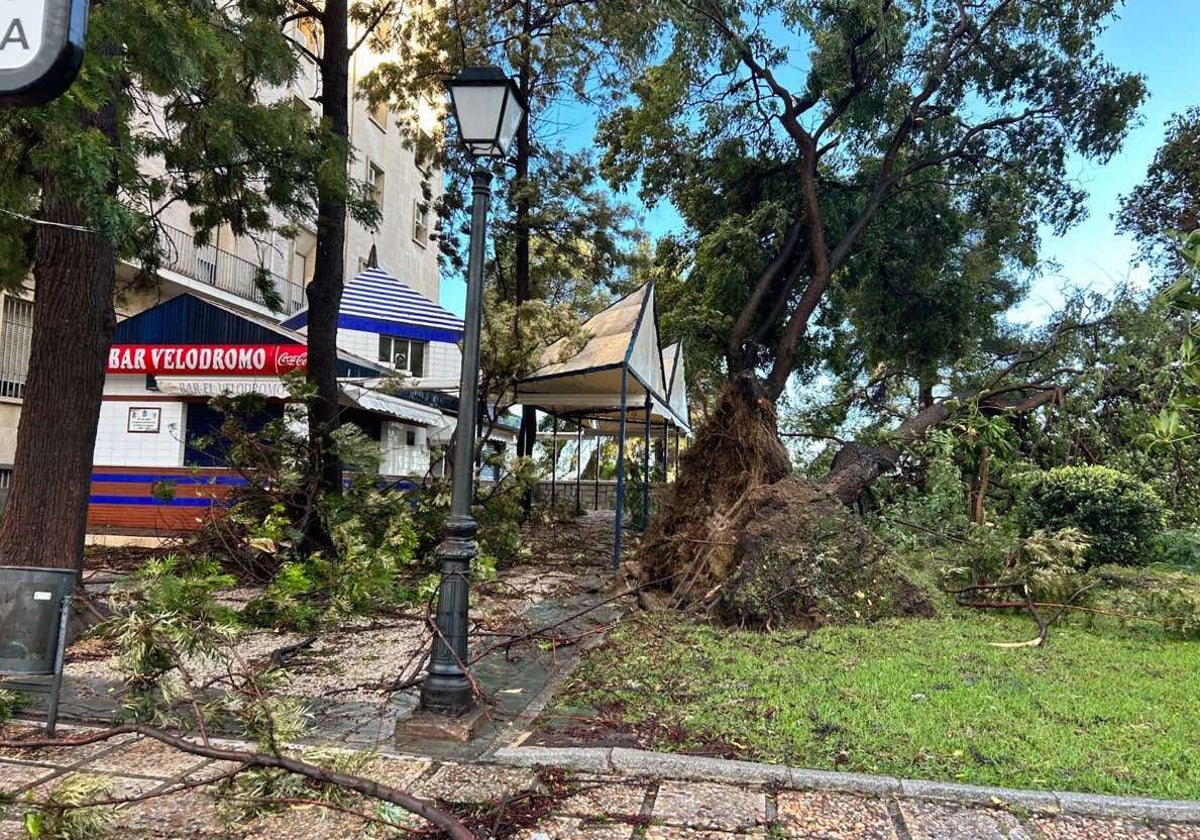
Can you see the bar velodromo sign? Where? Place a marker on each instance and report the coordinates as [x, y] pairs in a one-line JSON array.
[[41, 48]]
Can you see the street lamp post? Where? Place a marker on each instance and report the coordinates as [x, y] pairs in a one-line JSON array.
[[488, 108]]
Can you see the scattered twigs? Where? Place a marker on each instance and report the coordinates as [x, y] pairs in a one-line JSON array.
[[366, 787], [281, 656]]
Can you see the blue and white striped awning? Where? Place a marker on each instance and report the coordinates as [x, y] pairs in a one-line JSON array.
[[377, 302]]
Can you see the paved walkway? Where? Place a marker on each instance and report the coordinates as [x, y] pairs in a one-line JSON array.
[[526, 804], [631, 800]]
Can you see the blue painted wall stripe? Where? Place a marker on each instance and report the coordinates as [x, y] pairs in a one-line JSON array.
[[122, 478], [150, 500]]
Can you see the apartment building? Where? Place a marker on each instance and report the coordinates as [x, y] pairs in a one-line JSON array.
[[223, 273]]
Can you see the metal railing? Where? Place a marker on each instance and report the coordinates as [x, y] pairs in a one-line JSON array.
[[226, 271]]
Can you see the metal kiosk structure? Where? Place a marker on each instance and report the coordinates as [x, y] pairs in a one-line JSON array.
[[35, 608], [614, 382]]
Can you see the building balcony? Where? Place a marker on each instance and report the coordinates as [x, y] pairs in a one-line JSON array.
[[209, 265]]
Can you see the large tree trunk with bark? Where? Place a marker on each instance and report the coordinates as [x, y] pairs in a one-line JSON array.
[[73, 323], [527, 435], [329, 274]]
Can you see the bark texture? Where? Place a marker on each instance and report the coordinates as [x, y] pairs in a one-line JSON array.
[[73, 325], [329, 274]]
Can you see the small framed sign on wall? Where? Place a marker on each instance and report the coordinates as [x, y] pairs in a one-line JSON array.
[[144, 420]]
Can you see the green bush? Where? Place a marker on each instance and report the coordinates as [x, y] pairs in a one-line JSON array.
[[1120, 515], [1177, 547]]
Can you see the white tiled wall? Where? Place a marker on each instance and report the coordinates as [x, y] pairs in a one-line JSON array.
[[117, 447], [359, 343], [442, 360], [397, 457]]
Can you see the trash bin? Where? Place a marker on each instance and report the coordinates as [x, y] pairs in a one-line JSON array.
[[34, 610]]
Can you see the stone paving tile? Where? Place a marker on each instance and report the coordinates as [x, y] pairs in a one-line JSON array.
[[58, 756], [574, 828], [188, 814], [13, 777], [396, 772], [611, 798], [934, 821], [667, 832], [815, 815], [474, 783], [305, 822], [1086, 828], [211, 771], [147, 757], [118, 786], [709, 806]]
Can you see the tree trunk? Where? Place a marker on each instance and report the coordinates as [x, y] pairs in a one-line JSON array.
[[325, 291], [73, 323], [527, 435]]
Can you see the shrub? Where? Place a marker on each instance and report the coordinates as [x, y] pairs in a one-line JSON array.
[[1120, 515], [1177, 547]]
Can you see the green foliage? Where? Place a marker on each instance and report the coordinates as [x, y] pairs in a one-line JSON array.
[[1119, 514], [1169, 197], [67, 813], [373, 563], [252, 791], [498, 510], [10, 701], [1098, 708], [1179, 547], [229, 157], [880, 203], [166, 614]]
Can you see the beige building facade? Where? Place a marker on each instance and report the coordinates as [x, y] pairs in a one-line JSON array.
[[225, 270]]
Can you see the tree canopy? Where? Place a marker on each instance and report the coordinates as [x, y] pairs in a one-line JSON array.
[[842, 166]]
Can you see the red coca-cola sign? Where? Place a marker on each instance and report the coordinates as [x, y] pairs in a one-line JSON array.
[[207, 359]]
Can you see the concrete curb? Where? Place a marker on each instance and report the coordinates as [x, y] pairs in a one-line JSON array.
[[626, 762]]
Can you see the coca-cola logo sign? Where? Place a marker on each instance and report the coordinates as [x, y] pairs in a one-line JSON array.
[[206, 359]]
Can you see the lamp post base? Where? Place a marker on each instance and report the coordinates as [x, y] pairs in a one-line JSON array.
[[449, 694], [421, 725]]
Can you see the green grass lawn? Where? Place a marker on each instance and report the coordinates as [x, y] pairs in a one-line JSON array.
[[1102, 709]]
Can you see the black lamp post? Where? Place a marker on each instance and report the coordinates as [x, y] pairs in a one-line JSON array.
[[488, 108]]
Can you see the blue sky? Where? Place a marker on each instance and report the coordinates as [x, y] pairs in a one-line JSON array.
[[1158, 38]]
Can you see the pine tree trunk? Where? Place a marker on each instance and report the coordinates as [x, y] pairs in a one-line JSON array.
[[527, 435], [329, 274], [73, 324]]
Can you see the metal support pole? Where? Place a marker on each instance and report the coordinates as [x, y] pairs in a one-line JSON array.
[[646, 471], [620, 471], [447, 689], [554, 463], [596, 473], [677, 453], [666, 464], [60, 652], [578, 467]]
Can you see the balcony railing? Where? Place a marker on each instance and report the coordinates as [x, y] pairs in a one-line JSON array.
[[226, 271]]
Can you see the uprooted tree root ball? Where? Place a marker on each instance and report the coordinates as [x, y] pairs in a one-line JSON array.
[[740, 537]]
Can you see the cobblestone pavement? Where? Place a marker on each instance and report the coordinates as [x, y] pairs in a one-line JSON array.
[[587, 807]]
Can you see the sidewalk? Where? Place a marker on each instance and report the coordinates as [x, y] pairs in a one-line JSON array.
[[586, 806]]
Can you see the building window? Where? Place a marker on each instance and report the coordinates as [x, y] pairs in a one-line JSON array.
[[403, 354], [16, 336], [420, 222], [410, 437], [375, 182], [304, 258], [379, 114], [310, 34]]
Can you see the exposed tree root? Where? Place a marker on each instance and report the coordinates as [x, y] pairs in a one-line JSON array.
[[741, 538]]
